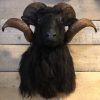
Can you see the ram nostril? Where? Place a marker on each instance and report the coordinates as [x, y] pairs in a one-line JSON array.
[[50, 35], [54, 35]]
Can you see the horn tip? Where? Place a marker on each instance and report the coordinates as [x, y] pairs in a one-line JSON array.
[[3, 29], [95, 29], [4, 26]]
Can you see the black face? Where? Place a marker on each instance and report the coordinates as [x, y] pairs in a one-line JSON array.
[[49, 28]]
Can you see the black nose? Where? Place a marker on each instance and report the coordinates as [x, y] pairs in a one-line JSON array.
[[51, 35]]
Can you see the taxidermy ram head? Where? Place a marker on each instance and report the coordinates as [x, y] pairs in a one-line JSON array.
[[46, 68]]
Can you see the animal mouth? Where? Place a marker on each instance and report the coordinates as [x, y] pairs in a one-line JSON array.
[[51, 43]]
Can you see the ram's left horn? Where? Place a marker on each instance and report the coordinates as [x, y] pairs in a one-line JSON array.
[[21, 25]]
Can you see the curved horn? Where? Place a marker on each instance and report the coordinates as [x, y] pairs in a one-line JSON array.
[[76, 27], [67, 12], [30, 12], [22, 26], [28, 18]]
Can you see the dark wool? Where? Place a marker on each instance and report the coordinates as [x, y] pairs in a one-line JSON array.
[[46, 68], [46, 71]]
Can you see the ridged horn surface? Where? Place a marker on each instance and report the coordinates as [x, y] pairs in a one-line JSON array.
[[30, 12], [77, 26], [67, 12], [33, 7], [20, 25]]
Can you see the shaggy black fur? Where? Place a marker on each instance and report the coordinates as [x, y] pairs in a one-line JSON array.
[[46, 71], [46, 68]]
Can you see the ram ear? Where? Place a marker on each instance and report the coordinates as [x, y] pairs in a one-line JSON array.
[[75, 26], [20, 25]]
